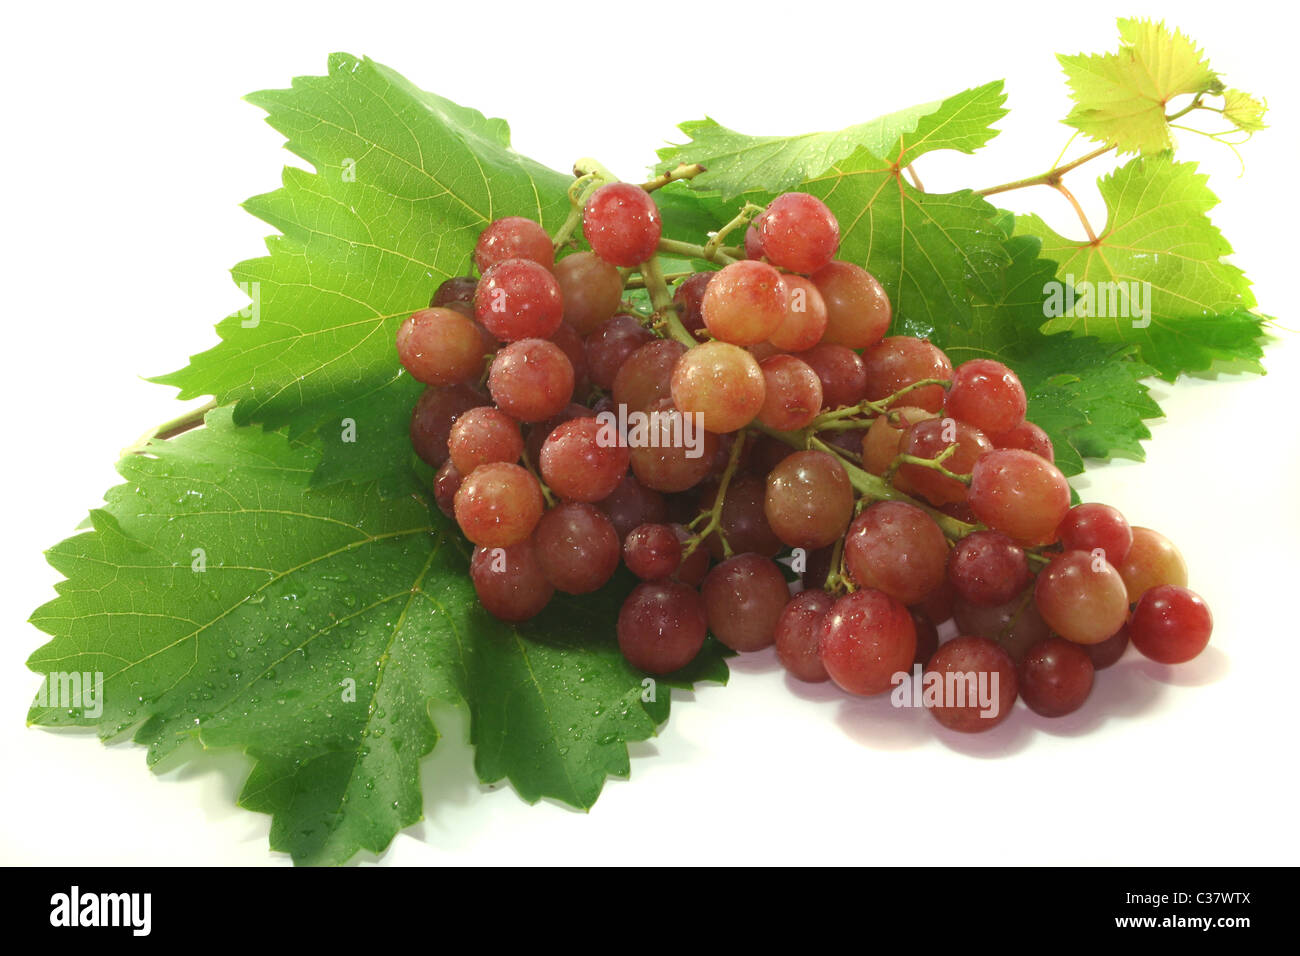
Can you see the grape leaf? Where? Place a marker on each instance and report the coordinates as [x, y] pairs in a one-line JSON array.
[[736, 163], [1120, 98], [403, 183], [1158, 241], [322, 624], [1086, 394], [1244, 111]]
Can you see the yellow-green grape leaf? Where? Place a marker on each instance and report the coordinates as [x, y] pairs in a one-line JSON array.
[[1121, 98], [1244, 111]]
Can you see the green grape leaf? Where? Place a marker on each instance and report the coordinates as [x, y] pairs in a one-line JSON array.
[[227, 603], [403, 182], [1086, 394], [736, 163], [1156, 277], [1120, 98], [929, 250]]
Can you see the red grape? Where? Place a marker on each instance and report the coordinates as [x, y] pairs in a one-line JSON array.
[[884, 439], [661, 626], [1090, 526], [792, 393], [667, 462], [622, 224], [798, 635], [988, 395], [743, 597], [1019, 494], [858, 312], [498, 505], [1082, 597], [1152, 560], [1055, 677], [842, 374], [631, 504], [958, 669], [1107, 652], [646, 374], [610, 345], [809, 500], [689, 298], [509, 581], [440, 347], [434, 414], [896, 548], [483, 435], [927, 439], [805, 316], [582, 460], [898, 361], [577, 547], [652, 551], [592, 290], [455, 289], [1015, 626], [513, 237], [867, 637], [798, 232], [720, 382], [531, 379], [988, 568], [445, 485], [1028, 437], [744, 303], [518, 299], [1171, 624]]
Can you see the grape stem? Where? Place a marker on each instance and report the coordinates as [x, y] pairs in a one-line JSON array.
[[742, 218], [714, 514], [638, 281], [661, 300], [678, 248], [870, 486], [590, 175], [934, 464], [546, 492], [829, 420], [836, 579], [680, 171], [170, 429], [1049, 178]]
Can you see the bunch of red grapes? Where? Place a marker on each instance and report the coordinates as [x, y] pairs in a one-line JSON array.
[[907, 492]]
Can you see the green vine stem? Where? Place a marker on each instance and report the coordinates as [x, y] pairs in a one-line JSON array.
[[1045, 179], [681, 171], [170, 429], [714, 514], [934, 464], [834, 419], [741, 219], [661, 300], [870, 486], [691, 250]]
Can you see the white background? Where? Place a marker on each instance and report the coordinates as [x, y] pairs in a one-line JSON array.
[[126, 151]]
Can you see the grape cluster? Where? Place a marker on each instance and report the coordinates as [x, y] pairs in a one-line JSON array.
[[904, 492]]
